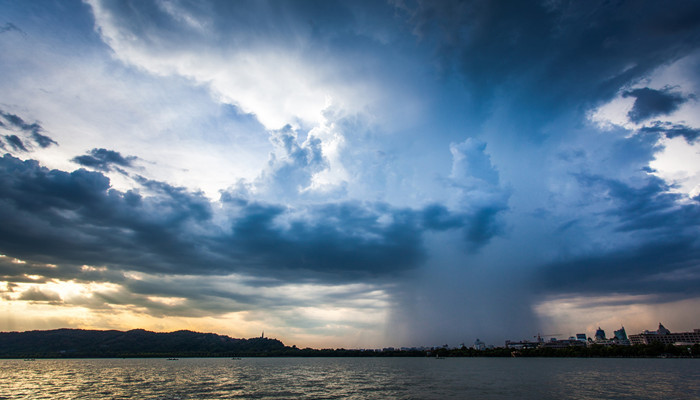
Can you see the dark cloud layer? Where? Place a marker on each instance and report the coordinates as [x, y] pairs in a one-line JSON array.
[[651, 103], [671, 131], [665, 255], [75, 218], [529, 69], [31, 132], [104, 160], [15, 142], [554, 54]]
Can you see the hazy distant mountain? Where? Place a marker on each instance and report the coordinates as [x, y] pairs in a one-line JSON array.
[[133, 343]]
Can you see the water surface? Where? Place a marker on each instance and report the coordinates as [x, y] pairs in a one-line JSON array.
[[351, 378]]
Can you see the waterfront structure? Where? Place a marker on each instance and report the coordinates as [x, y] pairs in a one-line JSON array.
[[522, 344], [599, 335], [562, 344], [620, 337], [620, 334], [664, 336]]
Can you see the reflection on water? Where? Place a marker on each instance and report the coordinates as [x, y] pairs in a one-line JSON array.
[[350, 378]]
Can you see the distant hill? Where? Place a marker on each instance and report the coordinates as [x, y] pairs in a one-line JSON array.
[[133, 343]]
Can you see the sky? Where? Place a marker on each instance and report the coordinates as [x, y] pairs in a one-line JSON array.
[[353, 174]]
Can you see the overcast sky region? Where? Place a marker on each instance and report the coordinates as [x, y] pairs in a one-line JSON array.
[[348, 173]]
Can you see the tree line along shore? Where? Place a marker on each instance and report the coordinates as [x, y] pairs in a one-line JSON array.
[[138, 343]]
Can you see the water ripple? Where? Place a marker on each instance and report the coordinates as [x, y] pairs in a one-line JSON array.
[[350, 378]]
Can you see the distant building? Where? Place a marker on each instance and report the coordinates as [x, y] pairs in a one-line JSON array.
[[581, 337], [523, 344], [663, 335], [620, 334], [662, 330], [561, 344], [599, 335], [621, 337], [479, 345]]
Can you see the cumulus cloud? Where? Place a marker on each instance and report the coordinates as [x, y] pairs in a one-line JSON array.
[[661, 258], [651, 103], [346, 200], [104, 160], [31, 133], [553, 48], [478, 192], [292, 165], [671, 131], [76, 218], [15, 142], [34, 293]]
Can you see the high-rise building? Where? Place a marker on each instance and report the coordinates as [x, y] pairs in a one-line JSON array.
[[620, 334], [599, 335], [663, 335]]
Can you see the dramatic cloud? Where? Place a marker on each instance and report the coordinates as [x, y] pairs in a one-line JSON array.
[[479, 194], [31, 132], [651, 103], [346, 173], [672, 130], [663, 258], [15, 142], [268, 58], [77, 219], [553, 54], [104, 160]]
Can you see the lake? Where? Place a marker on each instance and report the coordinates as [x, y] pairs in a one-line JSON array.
[[351, 378]]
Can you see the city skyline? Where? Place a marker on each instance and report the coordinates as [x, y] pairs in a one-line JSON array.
[[350, 173]]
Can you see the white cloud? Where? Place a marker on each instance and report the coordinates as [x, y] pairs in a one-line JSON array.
[[284, 82], [678, 162]]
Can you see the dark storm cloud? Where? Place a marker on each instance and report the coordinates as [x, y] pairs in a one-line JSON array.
[[651, 103], [104, 160], [32, 132], [665, 256], [246, 22], [73, 219], [669, 268], [570, 54], [671, 131], [482, 198], [37, 272], [36, 294], [438, 217], [485, 224], [15, 142], [341, 240], [650, 207]]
